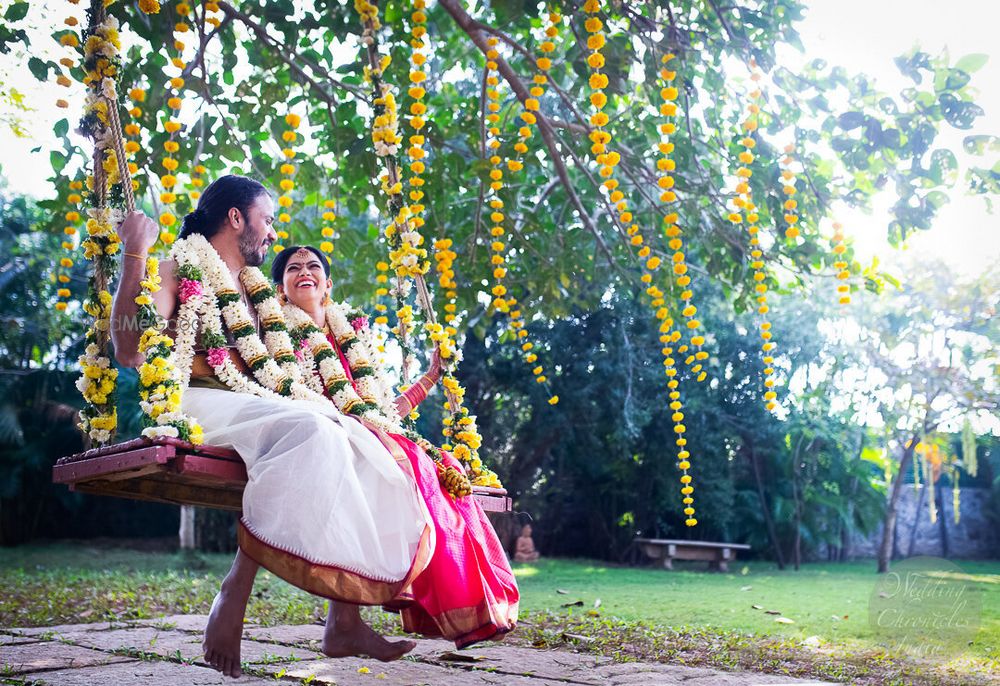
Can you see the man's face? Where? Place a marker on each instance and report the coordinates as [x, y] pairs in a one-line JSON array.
[[257, 234]]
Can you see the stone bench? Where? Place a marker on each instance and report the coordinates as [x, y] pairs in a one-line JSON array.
[[665, 551]]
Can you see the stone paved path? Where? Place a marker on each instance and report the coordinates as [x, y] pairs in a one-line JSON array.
[[167, 652]]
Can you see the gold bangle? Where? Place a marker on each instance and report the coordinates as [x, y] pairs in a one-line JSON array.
[[132, 254]]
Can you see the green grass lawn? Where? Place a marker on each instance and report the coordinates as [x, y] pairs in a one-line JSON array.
[[686, 615], [828, 600]]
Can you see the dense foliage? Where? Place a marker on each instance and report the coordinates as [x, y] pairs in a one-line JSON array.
[[593, 468]]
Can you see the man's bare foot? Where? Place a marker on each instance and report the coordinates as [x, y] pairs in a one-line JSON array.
[[362, 640], [223, 635]]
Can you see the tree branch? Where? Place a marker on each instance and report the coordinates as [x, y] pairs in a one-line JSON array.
[[475, 31], [281, 50]]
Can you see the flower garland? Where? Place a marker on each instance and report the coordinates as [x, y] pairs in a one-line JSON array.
[[501, 301], [418, 109], [101, 62], [287, 183], [840, 264], [160, 387], [408, 259], [213, 7], [206, 288], [328, 232], [132, 131], [68, 40], [75, 200], [370, 397], [607, 161], [373, 399], [743, 203], [682, 279], [171, 146], [529, 108], [666, 165], [197, 182], [382, 291], [788, 189]]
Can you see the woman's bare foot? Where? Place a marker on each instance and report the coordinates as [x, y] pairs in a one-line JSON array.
[[362, 640]]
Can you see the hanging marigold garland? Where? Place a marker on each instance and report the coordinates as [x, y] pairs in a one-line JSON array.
[[72, 217], [408, 260], [790, 204], [840, 264], [528, 116], [608, 160], [327, 231], [197, 182], [502, 302], [171, 146], [133, 132], [744, 206], [213, 8], [682, 278], [67, 40], [289, 137]]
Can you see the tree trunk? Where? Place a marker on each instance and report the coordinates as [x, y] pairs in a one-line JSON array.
[[942, 520], [186, 533], [889, 522], [916, 522], [772, 533]]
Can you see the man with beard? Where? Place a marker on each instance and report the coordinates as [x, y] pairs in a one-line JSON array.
[[325, 507]]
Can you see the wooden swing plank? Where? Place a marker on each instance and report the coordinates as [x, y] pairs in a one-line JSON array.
[[168, 470]]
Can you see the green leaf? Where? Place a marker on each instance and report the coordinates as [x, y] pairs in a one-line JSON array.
[[16, 12], [959, 113], [850, 120], [979, 145], [972, 63], [61, 128], [57, 160], [38, 68]]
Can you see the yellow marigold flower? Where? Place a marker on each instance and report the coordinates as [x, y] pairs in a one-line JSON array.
[[149, 6], [69, 40], [63, 80], [593, 25], [171, 146], [66, 262], [177, 83], [286, 184], [172, 126], [175, 103], [288, 136], [170, 164], [167, 219], [284, 217], [288, 152]]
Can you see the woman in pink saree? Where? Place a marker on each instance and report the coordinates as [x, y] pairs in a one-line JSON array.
[[467, 593]]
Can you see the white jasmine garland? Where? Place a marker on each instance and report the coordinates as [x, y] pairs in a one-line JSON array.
[[367, 401], [272, 380]]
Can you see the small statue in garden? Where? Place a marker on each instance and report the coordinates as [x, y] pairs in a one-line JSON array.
[[525, 551]]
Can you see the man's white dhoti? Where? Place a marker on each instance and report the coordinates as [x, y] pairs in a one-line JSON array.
[[326, 507]]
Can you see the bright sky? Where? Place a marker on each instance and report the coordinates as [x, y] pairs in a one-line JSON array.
[[864, 36], [861, 35]]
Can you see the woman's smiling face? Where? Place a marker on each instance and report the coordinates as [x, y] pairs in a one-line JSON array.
[[304, 282]]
